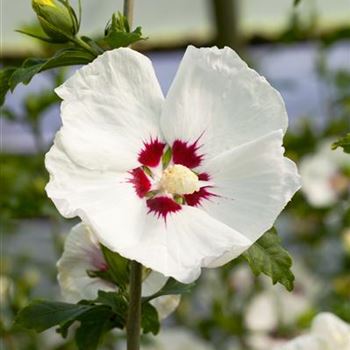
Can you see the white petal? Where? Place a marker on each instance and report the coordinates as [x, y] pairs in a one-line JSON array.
[[216, 96], [110, 107], [188, 240], [166, 304], [153, 283], [102, 197], [303, 342], [254, 182], [334, 331], [81, 253]]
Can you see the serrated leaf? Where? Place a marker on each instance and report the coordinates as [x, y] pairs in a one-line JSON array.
[[171, 287], [117, 33], [118, 267], [5, 76], [149, 319], [344, 142], [93, 325], [267, 256], [41, 315], [123, 39]]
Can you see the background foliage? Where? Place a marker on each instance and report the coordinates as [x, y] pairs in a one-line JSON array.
[[223, 302]]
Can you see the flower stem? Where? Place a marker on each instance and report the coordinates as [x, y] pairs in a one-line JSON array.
[[84, 45], [128, 11], [133, 323]]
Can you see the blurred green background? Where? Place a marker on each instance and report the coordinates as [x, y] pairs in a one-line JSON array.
[[304, 51]]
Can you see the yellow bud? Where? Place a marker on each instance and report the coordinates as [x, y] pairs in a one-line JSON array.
[[44, 2]]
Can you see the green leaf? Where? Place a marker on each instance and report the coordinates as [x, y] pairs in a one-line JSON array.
[[36, 36], [117, 303], [5, 76], [296, 2], [93, 325], [149, 319], [344, 142], [171, 287], [118, 267], [32, 66], [117, 32], [41, 315], [122, 39], [267, 256]]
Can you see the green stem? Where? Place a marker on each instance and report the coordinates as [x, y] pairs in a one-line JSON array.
[[128, 11], [83, 45], [133, 323]]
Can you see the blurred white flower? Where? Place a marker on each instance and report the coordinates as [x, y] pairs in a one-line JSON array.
[[323, 180], [261, 341], [275, 306], [346, 239], [81, 254], [242, 279], [328, 332], [180, 183], [6, 289]]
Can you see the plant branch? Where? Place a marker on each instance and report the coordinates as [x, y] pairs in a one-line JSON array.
[[128, 11], [84, 45], [133, 324]]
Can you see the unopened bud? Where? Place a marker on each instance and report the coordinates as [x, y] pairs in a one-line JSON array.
[[56, 18]]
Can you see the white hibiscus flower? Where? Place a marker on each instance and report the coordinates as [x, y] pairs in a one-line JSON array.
[[176, 184], [323, 177], [328, 332], [82, 257]]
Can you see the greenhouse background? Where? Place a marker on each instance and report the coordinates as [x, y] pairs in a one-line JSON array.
[[303, 50]]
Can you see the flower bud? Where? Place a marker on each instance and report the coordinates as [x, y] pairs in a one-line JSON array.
[[56, 19]]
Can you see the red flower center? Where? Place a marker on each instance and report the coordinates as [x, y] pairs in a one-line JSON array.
[[155, 158]]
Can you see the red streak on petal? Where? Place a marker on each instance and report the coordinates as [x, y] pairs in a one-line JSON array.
[[203, 177], [140, 182], [152, 153], [186, 154], [103, 267], [162, 206], [195, 198]]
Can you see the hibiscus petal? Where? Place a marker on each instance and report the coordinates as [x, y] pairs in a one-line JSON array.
[[166, 304], [253, 183], [110, 108], [179, 247], [105, 198], [217, 100], [81, 253]]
